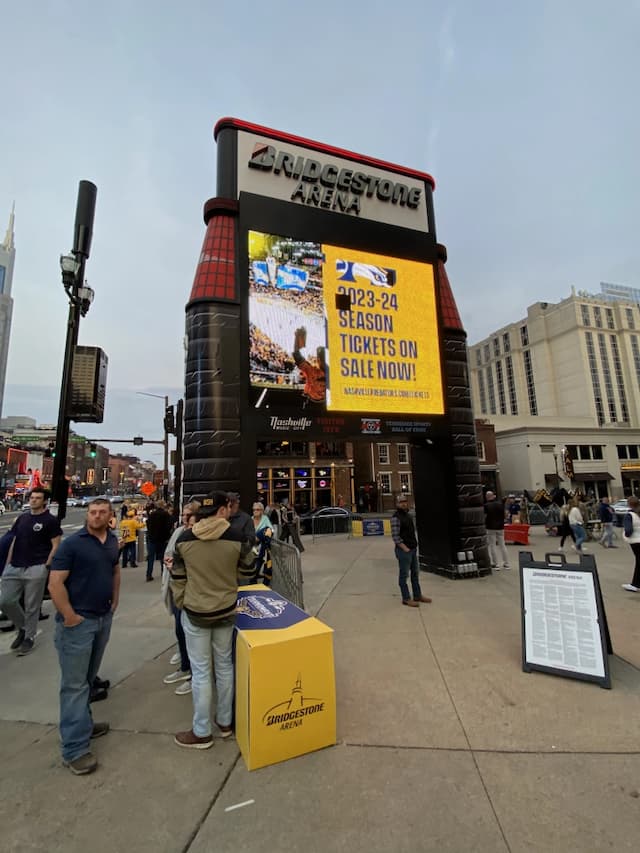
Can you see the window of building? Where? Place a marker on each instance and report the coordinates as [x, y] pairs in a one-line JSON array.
[[481, 455], [572, 450], [478, 357], [385, 482], [383, 454], [617, 369], [403, 454], [610, 321], [502, 401], [496, 347], [584, 451], [633, 451], [597, 316], [483, 393], [622, 451], [405, 482], [487, 354], [636, 356], [531, 388], [608, 384], [330, 448], [513, 400], [631, 323], [524, 336], [506, 342], [586, 318], [595, 379], [491, 390], [596, 451]]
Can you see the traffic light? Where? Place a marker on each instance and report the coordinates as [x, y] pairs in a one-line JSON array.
[[50, 452], [93, 450], [169, 421]]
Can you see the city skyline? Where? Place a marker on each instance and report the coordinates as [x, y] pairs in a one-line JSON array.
[[536, 188]]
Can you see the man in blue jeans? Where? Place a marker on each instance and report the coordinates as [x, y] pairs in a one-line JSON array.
[[85, 587], [204, 583], [403, 532]]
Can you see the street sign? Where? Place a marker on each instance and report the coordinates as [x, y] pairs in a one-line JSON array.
[[147, 488]]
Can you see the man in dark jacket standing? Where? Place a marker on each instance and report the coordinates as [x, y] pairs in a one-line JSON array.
[[403, 532], [494, 522], [159, 529]]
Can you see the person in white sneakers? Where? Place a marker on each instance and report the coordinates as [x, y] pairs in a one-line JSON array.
[[631, 534]]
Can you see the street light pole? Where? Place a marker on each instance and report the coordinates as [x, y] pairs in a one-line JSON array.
[[165, 472], [73, 266]]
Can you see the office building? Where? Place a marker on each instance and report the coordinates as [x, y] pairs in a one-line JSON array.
[[564, 382], [7, 258]]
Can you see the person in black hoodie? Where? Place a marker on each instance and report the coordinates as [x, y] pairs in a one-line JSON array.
[[159, 529], [494, 522]]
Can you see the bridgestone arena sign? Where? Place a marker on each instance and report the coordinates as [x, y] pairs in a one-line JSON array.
[[292, 173]]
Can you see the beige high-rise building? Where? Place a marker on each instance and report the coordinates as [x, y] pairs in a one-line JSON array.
[[565, 380], [7, 258]]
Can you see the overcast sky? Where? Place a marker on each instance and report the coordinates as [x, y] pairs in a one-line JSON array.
[[525, 113]]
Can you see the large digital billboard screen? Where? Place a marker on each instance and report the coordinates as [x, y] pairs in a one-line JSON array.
[[341, 329]]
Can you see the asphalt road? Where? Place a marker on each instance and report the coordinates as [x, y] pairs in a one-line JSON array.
[[73, 521]]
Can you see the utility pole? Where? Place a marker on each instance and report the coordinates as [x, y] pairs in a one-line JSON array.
[[80, 298]]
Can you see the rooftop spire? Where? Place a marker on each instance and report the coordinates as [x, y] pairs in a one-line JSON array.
[[9, 237]]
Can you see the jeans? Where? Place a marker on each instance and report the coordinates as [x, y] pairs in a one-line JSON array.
[[607, 534], [30, 580], [80, 650], [635, 580], [185, 665], [408, 563], [155, 551], [200, 642], [495, 538], [129, 554], [579, 534]]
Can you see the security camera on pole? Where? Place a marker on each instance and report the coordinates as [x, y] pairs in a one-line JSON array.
[[80, 298]]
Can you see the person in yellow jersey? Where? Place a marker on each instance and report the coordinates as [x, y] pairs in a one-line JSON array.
[[129, 527]]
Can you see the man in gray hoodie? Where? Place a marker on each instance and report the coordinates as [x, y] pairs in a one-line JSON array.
[[204, 583]]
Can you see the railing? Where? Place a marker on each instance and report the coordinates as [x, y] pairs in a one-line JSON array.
[[287, 571], [323, 525]]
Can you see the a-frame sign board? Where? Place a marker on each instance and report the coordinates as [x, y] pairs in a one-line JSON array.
[[564, 625]]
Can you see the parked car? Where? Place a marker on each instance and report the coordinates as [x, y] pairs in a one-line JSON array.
[[73, 501], [116, 499], [621, 508], [327, 519]]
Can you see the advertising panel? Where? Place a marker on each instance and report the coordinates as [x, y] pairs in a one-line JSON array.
[[339, 330]]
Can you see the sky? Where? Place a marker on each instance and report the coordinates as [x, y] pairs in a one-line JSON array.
[[525, 114]]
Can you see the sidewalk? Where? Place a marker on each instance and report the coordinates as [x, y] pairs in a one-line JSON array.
[[444, 744]]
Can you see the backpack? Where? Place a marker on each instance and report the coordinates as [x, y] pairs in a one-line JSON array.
[[627, 523]]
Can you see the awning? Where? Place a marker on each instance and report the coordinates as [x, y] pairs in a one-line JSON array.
[[592, 476]]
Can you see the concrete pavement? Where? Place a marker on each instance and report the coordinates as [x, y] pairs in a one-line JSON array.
[[444, 744]]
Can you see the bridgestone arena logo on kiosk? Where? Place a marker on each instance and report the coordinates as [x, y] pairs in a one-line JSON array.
[[328, 186], [291, 713]]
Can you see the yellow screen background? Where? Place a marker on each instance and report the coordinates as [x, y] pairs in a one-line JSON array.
[[414, 327]]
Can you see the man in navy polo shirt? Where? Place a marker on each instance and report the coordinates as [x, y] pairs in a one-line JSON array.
[[37, 534], [84, 586]]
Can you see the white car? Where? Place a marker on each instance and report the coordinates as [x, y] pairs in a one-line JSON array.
[[620, 506]]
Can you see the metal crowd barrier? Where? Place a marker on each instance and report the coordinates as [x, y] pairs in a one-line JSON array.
[[323, 525], [287, 571]]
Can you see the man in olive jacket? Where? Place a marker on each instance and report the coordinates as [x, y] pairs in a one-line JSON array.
[[205, 587]]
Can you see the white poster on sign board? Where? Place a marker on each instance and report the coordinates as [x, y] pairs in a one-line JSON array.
[[561, 621]]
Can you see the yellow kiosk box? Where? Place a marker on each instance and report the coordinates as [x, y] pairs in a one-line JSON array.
[[285, 679]]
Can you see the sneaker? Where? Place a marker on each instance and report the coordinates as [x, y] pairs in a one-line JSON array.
[[506, 566], [175, 659], [176, 676], [97, 694], [409, 602], [191, 741], [26, 647], [630, 587], [19, 640], [83, 765], [183, 689], [225, 731], [99, 729], [149, 579], [495, 568], [101, 683]]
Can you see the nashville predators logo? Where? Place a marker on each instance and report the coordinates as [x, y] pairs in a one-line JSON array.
[[259, 607], [291, 713]]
